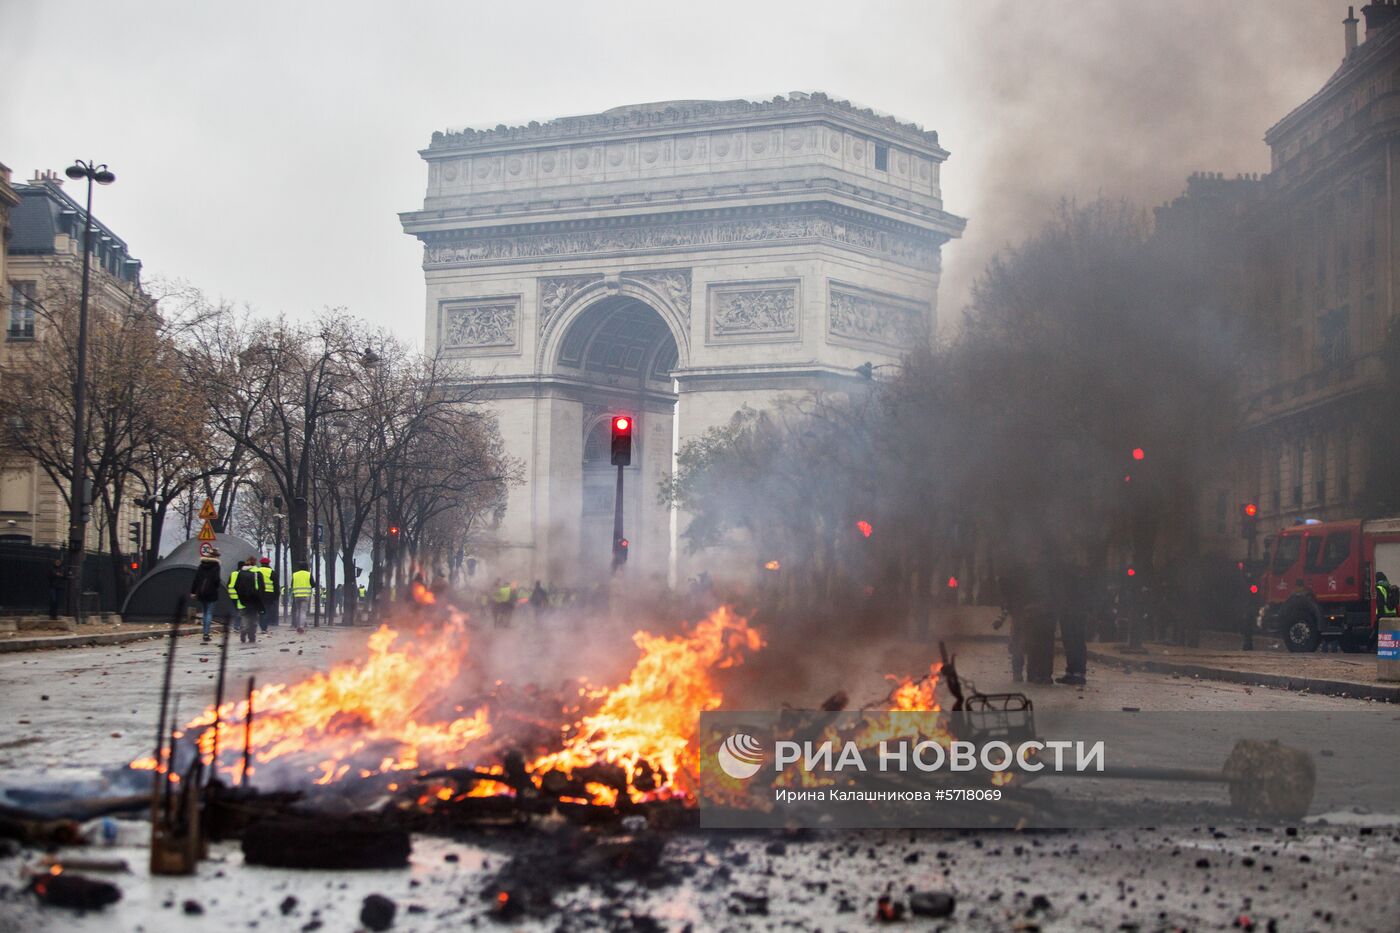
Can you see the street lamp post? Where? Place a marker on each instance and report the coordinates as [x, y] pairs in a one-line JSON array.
[[77, 512]]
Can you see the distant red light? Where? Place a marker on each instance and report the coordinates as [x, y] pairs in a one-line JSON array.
[[864, 528], [1250, 509], [1254, 587], [1139, 453], [621, 424], [1132, 572], [952, 583], [1127, 478], [135, 566]]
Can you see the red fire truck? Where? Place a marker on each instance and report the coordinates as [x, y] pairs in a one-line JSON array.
[[1336, 562]]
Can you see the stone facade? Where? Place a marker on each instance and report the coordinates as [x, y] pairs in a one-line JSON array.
[[675, 262], [43, 259], [1308, 255]]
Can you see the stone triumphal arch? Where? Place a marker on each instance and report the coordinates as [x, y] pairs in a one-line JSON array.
[[674, 261]]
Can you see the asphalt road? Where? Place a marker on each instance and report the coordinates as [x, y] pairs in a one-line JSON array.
[[72, 713]]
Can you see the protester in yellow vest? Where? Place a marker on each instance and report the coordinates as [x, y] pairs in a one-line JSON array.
[[232, 580], [269, 586], [302, 588]]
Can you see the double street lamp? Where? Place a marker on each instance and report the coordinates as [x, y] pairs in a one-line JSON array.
[[78, 500]]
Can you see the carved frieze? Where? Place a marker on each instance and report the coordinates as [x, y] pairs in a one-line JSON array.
[[556, 291], [759, 310], [868, 317], [674, 284], [920, 252], [482, 324]]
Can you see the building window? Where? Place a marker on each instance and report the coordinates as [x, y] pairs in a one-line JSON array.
[[882, 158], [1344, 467], [1298, 474], [1333, 331], [21, 312]]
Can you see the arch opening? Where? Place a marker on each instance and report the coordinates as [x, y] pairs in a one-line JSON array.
[[618, 354]]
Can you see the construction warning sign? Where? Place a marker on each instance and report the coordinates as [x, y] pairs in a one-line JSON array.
[[206, 511], [207, 532]]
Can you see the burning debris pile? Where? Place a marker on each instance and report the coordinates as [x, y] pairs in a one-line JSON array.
[[406, 721]]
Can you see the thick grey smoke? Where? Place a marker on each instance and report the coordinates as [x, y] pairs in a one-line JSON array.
[[1120, 99]]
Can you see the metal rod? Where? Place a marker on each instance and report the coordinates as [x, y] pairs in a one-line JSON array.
[[248, 736], [165, 686], [219, 701], [170, 765]]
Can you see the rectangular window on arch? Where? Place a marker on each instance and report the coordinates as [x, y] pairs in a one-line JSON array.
[[882, 158]]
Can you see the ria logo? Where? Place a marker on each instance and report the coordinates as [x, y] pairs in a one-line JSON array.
[[740, 756]]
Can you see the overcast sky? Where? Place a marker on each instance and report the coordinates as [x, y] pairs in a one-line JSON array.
[[263, 150]]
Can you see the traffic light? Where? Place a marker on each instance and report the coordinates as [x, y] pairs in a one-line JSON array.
[[394, 532], [1139, 453], [134, 531], [621, 441], [620, 548], [1249, 519]]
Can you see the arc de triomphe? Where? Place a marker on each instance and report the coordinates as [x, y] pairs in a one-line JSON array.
[[676, 262]]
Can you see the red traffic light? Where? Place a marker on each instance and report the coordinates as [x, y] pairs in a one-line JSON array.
[[1250, 510], [1139, 453], [394, 530], [135, 565], [1254, 587], [1132, 572], [952, 583], [864, 528], [621, 441], [623, 542]]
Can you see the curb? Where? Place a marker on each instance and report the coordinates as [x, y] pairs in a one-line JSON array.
[[1343, 688], [78, 641]]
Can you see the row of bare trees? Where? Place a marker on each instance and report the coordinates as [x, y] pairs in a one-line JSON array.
[[327, 424], [1007, 449], [367, 445]]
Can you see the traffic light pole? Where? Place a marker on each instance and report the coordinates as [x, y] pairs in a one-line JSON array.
[[617, 523]]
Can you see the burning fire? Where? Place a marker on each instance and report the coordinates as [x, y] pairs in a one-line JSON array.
[[422, 595], [651, 720], [399, 709]]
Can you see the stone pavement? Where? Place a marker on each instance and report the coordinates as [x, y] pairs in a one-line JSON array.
[[1219, 658]]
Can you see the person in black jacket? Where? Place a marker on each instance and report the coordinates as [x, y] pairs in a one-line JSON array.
[[249, 587], [208, 582]]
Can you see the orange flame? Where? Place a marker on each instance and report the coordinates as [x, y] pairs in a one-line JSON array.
[[396, 710], [651, 719]]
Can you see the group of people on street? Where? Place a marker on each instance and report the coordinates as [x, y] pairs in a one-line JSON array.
[[253, 590], [1036, 607], [504, 595]]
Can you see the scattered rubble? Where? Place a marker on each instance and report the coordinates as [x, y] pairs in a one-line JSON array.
[[377, 912], [74, 892]]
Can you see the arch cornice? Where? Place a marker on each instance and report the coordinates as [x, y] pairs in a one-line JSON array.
[[587, 297]]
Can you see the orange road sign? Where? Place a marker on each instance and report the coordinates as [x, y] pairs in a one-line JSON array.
[[206, 511], [207, 532]]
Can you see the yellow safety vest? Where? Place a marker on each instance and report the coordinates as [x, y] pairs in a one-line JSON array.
[[301, 584], [267, 579], [503, 595], [233, 590]]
